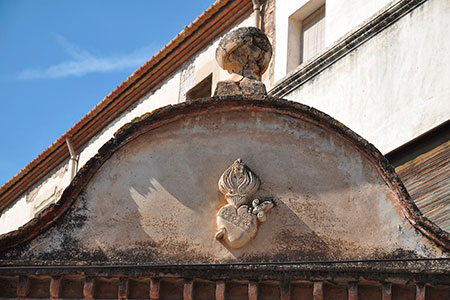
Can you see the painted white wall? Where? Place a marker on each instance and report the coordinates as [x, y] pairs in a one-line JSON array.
[[15, 216], [283, 10], [341, 16], [394, 87], [344, 15], [37, 198]]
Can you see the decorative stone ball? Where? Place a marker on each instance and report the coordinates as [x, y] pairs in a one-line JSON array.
[[245, 51]]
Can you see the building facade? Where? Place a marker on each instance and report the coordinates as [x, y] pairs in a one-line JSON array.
[[377, 68], [380, 68]]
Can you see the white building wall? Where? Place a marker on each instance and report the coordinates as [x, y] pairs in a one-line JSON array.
[[37, 198], [15, 216], [394, 87], [341, 16], [344, 15], [166, 94]]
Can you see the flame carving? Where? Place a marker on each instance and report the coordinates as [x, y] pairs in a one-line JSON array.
[[238, 183]]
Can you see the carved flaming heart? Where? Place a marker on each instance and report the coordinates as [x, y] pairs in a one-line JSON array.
[[238, 225], [237, 222]]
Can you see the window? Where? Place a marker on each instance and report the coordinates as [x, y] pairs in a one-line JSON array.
[[201, 90], [312, 38], [306, 33]]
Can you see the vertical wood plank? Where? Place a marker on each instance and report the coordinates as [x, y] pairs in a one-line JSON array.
[[387, 291], [23, 286], [88, 288], [220, 290], [420, 291], [318, 290], [285, 290], [253, 290], [154, 288], [352, 291], [55, 287], [123, 288], [188, 289]]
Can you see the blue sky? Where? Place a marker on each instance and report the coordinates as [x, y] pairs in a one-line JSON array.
[[58, 59]]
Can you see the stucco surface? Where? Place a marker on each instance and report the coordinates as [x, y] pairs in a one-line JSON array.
[[156, 198], [37, 198], [390, 89], [15, 216], [343, 16]]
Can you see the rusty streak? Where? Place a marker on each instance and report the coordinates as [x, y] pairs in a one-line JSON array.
[[88, 288], [285, 290], [420, 291], [123, 288], [253, 290], [188, 289], [154, 288], [55, 287], [23, 286], [220, 290]]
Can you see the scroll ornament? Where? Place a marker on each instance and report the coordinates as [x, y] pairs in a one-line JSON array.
[[237, 221]]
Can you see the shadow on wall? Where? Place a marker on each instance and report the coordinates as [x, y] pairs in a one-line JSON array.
[[156, 199], [178, 201]]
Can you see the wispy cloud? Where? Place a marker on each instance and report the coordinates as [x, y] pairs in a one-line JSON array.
[[82, 62]]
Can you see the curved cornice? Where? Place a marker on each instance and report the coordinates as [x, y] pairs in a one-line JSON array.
[[172, 113]]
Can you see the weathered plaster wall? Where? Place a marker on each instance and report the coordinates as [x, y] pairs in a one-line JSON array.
[[156, 198], [15, 216], [41, 195], [389, 90], [392, 88]]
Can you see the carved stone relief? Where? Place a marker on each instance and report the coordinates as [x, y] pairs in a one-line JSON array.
[[237, 221]]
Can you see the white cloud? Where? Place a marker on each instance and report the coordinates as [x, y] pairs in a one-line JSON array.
[[83, 62]]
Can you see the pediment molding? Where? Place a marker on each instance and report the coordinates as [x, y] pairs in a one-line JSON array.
[[170, 114]]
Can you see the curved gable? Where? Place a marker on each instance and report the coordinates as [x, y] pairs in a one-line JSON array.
[[151, 195]]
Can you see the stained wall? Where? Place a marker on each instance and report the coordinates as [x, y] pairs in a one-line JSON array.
[[156, 199]]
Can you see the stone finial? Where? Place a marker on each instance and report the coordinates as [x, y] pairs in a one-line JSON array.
[[245, 51]]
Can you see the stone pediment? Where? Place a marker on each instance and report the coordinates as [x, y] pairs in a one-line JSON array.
[[151, 194]]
